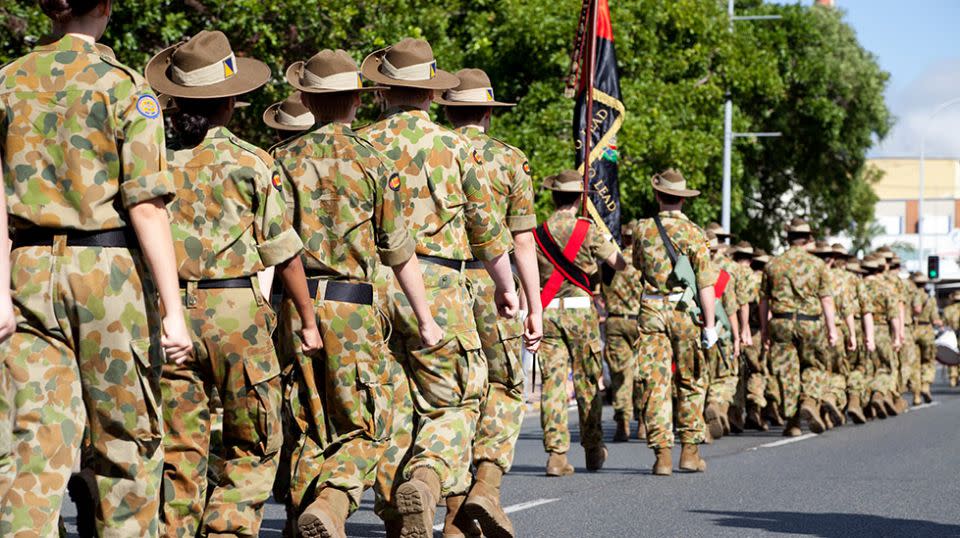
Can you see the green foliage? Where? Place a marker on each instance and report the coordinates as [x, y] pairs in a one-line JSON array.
[[805, 75]]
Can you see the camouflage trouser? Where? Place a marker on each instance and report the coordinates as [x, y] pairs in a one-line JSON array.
[[623, 359], [756, 366], [87, 346], [953, 372], [669, 336], [7, 469], [447, 381], [797, 357], [910, 376], [233, 352], [837, 389], [570, 337], [883, 359], [724, 373], [501, 411], [926, 343]]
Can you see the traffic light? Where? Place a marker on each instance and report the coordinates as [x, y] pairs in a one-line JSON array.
[[933, 267]]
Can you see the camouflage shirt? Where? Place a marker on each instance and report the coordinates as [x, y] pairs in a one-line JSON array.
[[928, 309], [729, 299], [341, 199], [510, 181], [653, 261], [623, 293], [795, 281], [81, 139], [851, 301], [882, 298], [228, 220], [444, 189], [744, 288], [595, 248], [951, 316]]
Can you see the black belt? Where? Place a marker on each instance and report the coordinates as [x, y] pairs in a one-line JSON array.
[[795, 316], [220, 284], [343, 292], [456, 265], [632, 317], [923, 323], [43, 237], [474, 264]]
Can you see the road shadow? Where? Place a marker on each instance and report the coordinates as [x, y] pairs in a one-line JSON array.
[[274, 527], [830, 525]]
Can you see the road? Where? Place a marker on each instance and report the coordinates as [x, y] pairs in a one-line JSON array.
[[897, 477]]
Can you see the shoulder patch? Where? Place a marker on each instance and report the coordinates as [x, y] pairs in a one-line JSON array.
[[275, 181], [476, 157], [394, 182], [148, 106], [526, 167]]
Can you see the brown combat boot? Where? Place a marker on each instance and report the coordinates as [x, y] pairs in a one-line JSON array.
[[792, 427], [917, 399], [773, 414], [735, 419], [483, 502], [833, 412], [557, 465], [953, 381], [664, 464], [712, 416], [707, 437], [392, 527], [900, 404], [878, 405], [456, 523], [926, 395], [82, 487], [596, 456], [854, 410], [326, 516], [622, 435], [690, 459], [641, 430], [890, 404], [810, 412], [825, 418], [755, 419], [417, 502]]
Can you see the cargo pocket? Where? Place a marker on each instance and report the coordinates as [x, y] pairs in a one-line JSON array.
[[506, 367], [263, 397], [373, 376], [440, 373], [593, 363], [148, 429]]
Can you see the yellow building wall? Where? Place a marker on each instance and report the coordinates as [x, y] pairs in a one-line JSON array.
[[901, 178]]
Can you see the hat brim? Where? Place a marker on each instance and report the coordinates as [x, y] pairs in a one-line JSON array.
[[681, 193], [293, 80], [250, 75], [370, 69], [492, 104], [169, 105], [270, 119]]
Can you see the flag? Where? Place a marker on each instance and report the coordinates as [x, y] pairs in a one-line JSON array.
[[608, 115]]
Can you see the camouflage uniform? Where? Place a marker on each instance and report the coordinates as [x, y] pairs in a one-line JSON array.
[[82, 142], [622, 298], [502, 408], [910, 373], [341, 203], [724, 371], [445, 197], [925, 336], [793, 284], [228, 222], [951, 318], [892, 280], [857, 369], [885, 307], [754, 357], [571, 338], [668, 333], [837, 365]]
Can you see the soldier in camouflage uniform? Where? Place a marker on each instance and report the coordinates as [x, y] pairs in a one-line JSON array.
[[571, 335], [228, 224], [622, 299], [446, 201], [86, 180], [926, 319], [858, 368], [8, 325], [796, 291], [669, 334], [891, 276], [724, 370], [909, 354], [289, 117], [753, 376], [951, 318], [468, 107], [885, 306]]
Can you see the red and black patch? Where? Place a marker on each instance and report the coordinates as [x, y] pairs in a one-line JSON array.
[[394, 182], [275, 180], [476, 157], [526, 167]]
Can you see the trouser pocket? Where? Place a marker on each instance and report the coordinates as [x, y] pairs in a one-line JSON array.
[[148, 423]]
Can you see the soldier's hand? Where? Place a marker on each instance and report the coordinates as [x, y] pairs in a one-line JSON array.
[[709, 337], [176, 342], [832, 336], [736, 348], [871, 345], [533, 332], [852, 344], [746, 338], [507, 303], [8, 320], [430, 334], [310, 341]]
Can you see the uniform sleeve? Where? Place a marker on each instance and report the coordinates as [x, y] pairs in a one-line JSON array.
[[289, 192], [826, 286], [934, 311], [863, 295], [143, 164], [892, 304], [699, 254], [394, 242], [277, 241], [743, 286], [487, 237], [601, 248], [520, 211]]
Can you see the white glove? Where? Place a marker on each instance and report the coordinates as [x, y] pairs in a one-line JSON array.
[[709, 337]]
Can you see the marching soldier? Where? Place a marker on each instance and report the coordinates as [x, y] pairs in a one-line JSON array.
[[91, 239], [445, 197], [228, 224], [951, 318], [858, 369], [748, 293], [926, 321], [468, 107], [885, 306], [835, 393], [724, 371], [571, 334], [796, 292], [622, 299], [670, 332]]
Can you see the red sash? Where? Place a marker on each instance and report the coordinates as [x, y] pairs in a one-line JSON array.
[[570, 251]]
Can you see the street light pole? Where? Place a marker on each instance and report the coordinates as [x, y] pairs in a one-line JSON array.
[[923, 169]]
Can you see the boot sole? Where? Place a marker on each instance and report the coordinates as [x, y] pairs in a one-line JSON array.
[[662, 472], [414, 505], [927, 397], [835, 415], [492, 519], [880, 411], [317, 526], [812, 420], [713, 422], [857, 417]]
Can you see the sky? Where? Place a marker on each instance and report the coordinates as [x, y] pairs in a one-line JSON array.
[[918, 43]]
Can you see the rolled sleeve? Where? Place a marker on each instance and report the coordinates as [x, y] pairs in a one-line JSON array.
[[139, 189], [398, 254], [280, 248], [521, 223], [520, 206], [143, 161]]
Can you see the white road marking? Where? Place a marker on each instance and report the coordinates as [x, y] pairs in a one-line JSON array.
[[923, 406], [514, 508], [782, 442]]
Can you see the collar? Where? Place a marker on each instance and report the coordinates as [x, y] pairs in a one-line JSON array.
[[408, 110], [674, 214], [471, 131], [219, 131], [72, 42], [335, 128]]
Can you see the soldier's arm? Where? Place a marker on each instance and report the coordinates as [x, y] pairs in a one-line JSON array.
[[8, 321], [852, 331], [521, 220], [868, 331]]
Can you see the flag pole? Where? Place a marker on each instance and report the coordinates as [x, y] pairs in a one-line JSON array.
[[590, 61]]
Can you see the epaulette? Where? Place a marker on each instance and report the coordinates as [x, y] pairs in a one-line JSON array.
[[134, 75], [283, 143], [256, 150]]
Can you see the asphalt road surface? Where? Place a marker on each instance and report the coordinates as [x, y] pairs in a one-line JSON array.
[[896, 477]]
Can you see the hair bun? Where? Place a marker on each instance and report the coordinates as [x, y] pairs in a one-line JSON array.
[[64, 10]]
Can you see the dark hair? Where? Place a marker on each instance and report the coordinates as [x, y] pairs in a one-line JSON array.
[[668, 199], [402, 93], [562, 199], [328, 107], [193, 118], [465, 115], [64, 10]]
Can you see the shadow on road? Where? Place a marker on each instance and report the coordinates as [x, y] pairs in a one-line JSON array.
[[830, 525]]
